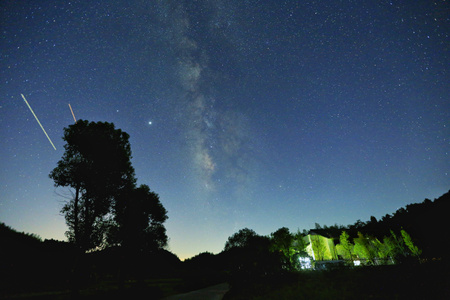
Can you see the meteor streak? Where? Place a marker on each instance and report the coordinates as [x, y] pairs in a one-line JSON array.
[[38, 121], [73, 114]]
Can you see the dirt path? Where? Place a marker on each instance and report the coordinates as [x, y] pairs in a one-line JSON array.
[[215, 292]]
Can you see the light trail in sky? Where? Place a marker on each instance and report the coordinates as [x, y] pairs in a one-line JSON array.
[[72, 113], [38, 121]]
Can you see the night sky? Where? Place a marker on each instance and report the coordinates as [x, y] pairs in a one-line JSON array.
[[242, 113]]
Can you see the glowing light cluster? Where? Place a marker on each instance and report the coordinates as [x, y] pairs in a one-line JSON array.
[[305, 262]]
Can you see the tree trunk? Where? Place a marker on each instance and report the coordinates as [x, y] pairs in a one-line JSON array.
[[75, 212], [87, 222], [76, 268]]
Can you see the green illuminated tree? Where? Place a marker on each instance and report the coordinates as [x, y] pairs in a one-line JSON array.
[[398, 245], [364, 249], [415, 251], [297, 249], [395, 247], [382, 250], [345, 245], [390, 248], [281, 242]]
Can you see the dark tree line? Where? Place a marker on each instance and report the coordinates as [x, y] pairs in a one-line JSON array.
[[416, 231], [29, 264], [23, 257]]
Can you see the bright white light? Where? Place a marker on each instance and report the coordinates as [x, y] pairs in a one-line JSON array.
[[305, 262], [357, 263]]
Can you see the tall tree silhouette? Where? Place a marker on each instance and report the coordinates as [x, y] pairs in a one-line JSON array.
[[96, 165]]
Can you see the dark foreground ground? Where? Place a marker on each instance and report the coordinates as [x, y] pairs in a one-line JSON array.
[[215, 292], [131, 289], [409, 281], [417, 281]]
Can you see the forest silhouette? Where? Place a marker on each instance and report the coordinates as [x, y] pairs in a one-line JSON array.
[[117, 243]]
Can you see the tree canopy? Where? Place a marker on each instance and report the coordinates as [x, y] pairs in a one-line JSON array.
[[240, 239], [139, 218], [106, 207]]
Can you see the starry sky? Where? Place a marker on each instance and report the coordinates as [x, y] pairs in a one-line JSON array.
[[242, 113]]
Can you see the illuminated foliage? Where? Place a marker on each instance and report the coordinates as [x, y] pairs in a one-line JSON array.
[[364, 248], [281, 240], [297, 249], [372, 251], [345, 247], [281, 243], [382, 251], [415, 251], [397, 246]]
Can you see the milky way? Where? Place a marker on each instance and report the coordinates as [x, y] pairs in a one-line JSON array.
[[218, 138]]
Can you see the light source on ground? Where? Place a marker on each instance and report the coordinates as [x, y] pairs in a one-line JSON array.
[[305, 262]]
